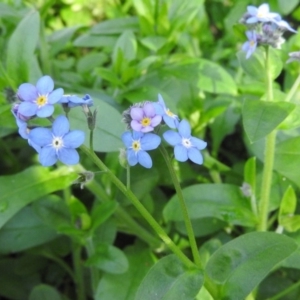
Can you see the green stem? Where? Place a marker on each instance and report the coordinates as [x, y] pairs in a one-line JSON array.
[[89, 245], [76, 255], [286, 291], [142, 210], [128, 177], [92, 140], [268, 159], [293, 89], [122, 215], [187, 220]]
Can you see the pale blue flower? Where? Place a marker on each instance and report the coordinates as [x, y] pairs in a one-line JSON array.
[[137, 143], [260, 14], [185, 146], [57, 144], [38, 100], [250, 46], [73, 100], [169, 118]]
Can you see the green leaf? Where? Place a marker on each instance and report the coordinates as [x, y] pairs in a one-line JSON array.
[[287, 7], [215, 79], [7, 122], [169, 280], [154, 43], [287, 159], [109, 128], [124, 286], [241, 264], [25, 230], [261, 117], [109, 259], [255, 65], [250, 174], [53, 211], [116, 26], [101, 212], [20, 189], [88, 40], [128, 46], [45, 292], [109, 75], [21, 47], [221, 201]]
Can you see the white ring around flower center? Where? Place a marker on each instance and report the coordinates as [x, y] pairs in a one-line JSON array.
[[136, 145], [57, 142], [186, 143]]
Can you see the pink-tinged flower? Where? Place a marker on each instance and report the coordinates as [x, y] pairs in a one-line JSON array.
[[144, 118], [250, 46], [39, 99]]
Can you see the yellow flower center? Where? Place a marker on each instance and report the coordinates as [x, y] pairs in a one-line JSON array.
[[41, 100], [146, 122], [57, 143], [252, 43], [169, 113], [136, 146]]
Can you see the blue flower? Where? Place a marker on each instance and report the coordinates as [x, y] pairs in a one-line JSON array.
[[283, 25], [169, 118], [73, 100], [38, 100], [137, 143], [260, 14], [58, 143], [250, 46], [185, 146]]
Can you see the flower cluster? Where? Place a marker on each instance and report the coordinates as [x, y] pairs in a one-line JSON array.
[[142, 119], [58, 143], [264, 28]]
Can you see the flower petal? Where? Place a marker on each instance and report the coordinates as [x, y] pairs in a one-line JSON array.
[[60, 126], [55, 96], [45, 111], [159, 110], [144, 159], [184, 129], [74, 139], [171, 122], [137, 113], [172, 137], [27, 109], [68, 156], [180, 153], [45, 85], [27, 92], [150, 141], [137, 135], [135, 125], [252, 10], [47, 156], [149, 110], [195, 156], [131, 157], [127, 139], [156, 120], [147, 129], [199, 144], [41, 136]]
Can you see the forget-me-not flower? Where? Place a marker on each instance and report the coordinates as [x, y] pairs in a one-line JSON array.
[[260, 14], [144, 118], [250, 46], [57, 144], [185, 146], [137, 143], [169, 118], [38, 100], [73, 100]]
